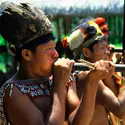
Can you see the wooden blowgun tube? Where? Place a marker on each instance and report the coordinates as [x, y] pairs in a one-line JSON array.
[[81, 66]]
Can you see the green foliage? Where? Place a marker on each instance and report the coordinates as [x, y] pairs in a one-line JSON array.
[[115, 24], [5, 57], [2, 41]]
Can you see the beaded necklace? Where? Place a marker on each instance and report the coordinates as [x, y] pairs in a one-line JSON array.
[[32, 87]]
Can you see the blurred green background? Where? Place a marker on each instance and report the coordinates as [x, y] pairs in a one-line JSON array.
[[62, 26]]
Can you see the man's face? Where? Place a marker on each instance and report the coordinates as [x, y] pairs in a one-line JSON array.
[[43, 58], [100, 51]]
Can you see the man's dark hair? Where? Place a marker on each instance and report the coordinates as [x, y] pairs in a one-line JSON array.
[[95, 42], [33, 44]]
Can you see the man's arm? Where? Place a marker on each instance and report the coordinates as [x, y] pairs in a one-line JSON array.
[[111, 102], [61, 72], [57, 116], [84, 111], [20, 110], [111, 84], [86, 105]]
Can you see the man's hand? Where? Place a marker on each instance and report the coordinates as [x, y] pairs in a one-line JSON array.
[[62, 69], [102, 70]]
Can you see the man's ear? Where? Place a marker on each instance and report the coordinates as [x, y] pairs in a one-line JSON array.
[[26, 54], [86, 52]]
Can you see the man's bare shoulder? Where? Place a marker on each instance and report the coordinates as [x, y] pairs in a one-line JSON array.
[[20, 108], [80, 84], [82, 75]]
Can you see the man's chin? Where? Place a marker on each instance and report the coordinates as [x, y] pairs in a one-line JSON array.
[[50, 72]]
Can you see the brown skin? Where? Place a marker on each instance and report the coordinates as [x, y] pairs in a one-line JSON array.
[[105, 95], [87, 87], [101, 52], [22, 110]]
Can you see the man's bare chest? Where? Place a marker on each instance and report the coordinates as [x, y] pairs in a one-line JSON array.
[[100, 116], [43, 103]]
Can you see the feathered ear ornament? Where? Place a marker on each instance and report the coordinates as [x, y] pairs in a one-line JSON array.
[[92, 23], [12, 49], [74, 40], [65, 43], [102, 25]]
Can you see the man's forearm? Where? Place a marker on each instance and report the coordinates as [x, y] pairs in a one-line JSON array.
[[111, 84], [85, 110], [58, 107]]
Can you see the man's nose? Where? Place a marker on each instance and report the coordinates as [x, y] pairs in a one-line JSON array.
[[55, 54], [107, 51]]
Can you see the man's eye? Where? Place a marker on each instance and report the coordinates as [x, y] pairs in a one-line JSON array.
[[49, 48], [103, 47], [52, 48]]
